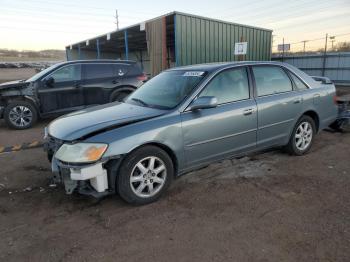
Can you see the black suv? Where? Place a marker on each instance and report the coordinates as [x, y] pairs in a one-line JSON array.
[[67, 87]]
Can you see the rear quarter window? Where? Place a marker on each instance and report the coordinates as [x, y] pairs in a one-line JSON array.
[[298, 83], [135, 70], [95, 71], [121, 70]]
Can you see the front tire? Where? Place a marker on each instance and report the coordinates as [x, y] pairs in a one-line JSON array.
[[145, 175], [302, 137], [20, 115]]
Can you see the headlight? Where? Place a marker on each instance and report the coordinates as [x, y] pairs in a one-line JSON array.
[[81, 152]]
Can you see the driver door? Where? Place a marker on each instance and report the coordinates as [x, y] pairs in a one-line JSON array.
[[61, 90], [228, 129]]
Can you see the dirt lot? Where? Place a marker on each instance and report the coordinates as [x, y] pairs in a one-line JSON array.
[[9, 74], [267, 207]]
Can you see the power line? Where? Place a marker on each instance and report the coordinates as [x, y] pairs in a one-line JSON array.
[[295, 14], [273, 9], [43, 30], [83, 6], [72, 15], [313, 21], [315, 39], [50, 11]]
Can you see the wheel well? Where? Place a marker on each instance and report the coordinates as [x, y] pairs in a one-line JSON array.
[[11, 99], [315, 117]]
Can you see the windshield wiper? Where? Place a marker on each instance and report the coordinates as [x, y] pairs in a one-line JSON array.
[[140, 101]]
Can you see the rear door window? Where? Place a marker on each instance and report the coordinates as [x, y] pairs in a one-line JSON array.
[[271, 80], [96, 71]]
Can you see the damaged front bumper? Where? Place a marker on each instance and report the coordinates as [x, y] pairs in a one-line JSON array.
[[94, 180]]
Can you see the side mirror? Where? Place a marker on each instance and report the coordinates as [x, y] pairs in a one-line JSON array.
[[204, 102], [50, 82]]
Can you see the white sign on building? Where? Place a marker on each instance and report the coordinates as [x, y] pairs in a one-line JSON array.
[[143, 26], [241, 48]]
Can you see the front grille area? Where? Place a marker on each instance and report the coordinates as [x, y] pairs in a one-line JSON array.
[[52, 144]]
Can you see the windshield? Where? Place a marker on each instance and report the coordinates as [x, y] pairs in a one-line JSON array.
[[42, 73], [166, 90]]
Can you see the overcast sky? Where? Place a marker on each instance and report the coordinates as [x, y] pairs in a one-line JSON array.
[[53, 24]]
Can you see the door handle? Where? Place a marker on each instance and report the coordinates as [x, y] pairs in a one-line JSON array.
[[115, 82], [248, 112], [297, 101]]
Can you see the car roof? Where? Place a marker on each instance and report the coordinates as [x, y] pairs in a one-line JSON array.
[[100, 61], [211, 67]]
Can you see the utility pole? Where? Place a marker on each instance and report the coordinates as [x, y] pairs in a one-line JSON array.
[[332, 38], [325, 56], [283, 50], [117, 18], [305, 41]]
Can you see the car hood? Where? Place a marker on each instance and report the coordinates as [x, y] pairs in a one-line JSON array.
[[13, 84], [98, 119]]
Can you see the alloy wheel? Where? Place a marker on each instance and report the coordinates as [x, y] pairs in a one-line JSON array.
[[20, 116], [148, 177], [303, 136]]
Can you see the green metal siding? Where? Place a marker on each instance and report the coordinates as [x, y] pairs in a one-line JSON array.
[[202, 40]]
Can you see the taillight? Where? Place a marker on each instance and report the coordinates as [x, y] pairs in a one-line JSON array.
[[335, 99], [142, 78]]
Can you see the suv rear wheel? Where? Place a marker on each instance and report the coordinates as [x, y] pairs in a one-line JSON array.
[[145, 175], [20, 115]]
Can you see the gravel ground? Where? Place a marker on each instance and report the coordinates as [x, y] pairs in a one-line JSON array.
[[10, 137], [265, 207]]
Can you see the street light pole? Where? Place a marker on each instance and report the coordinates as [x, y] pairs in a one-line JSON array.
[[325, 57]]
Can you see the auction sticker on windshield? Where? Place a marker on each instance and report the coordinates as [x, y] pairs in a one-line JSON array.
[[194, 73]]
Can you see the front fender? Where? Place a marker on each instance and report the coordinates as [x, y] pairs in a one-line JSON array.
[[165, 130]]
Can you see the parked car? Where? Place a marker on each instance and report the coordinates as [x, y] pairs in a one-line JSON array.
[[183, 119], [67, 87]]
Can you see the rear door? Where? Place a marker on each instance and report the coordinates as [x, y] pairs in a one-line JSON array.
[[228, 129], [100, 80], [279, 105], [65, 93]]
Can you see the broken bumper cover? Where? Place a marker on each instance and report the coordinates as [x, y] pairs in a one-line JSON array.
[[87, 180]]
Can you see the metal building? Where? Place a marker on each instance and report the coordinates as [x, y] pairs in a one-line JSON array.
[[176, 39]]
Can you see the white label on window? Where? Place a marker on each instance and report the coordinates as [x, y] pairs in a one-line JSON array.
[[194, 73]]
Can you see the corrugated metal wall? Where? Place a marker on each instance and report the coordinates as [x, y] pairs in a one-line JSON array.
[[156, 45], [337, 65], [202, 40]]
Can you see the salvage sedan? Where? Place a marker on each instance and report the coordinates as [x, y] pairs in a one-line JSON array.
[[183, 119]]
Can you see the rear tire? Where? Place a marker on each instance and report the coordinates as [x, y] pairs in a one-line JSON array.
[[302, 136], [145, 175], [20, 115]]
